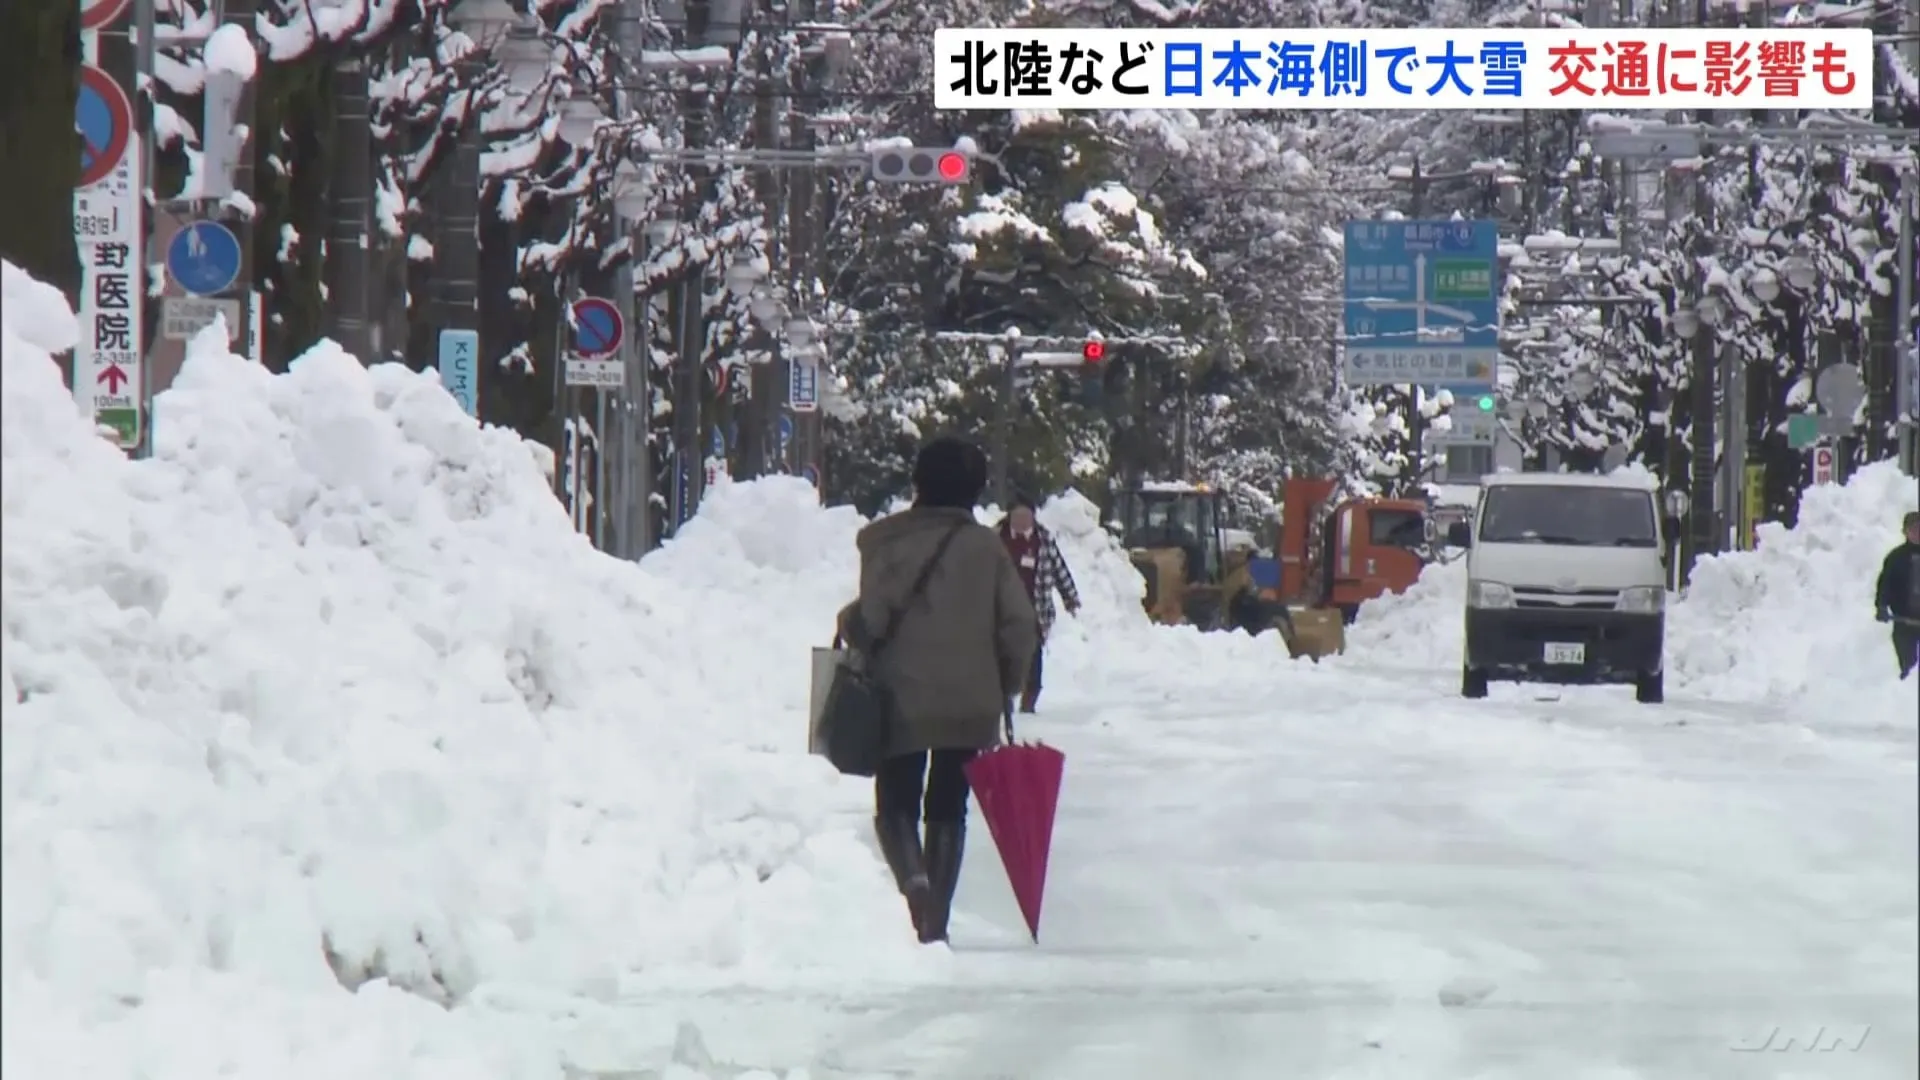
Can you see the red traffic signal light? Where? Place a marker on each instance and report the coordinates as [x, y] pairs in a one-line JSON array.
[[920, 165], [1093, 351]]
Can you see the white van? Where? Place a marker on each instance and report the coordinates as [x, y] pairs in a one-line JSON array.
[[1566, 583]]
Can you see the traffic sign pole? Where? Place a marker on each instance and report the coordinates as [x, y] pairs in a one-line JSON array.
[[108, 376]]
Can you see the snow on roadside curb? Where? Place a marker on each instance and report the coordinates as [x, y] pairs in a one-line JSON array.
[[329, 692]]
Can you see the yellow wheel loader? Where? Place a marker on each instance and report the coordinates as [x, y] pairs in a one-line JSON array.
[[1174, 537]]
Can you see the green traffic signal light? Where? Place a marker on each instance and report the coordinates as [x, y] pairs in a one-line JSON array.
[[1486, 403]]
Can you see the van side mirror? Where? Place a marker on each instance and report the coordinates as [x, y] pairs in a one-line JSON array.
[[1460, 535]]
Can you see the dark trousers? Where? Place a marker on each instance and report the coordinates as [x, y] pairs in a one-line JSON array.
[[1906, 645], [1033, 675], [937, 782]]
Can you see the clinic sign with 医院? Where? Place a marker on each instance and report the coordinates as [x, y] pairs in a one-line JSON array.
[[107, 373]]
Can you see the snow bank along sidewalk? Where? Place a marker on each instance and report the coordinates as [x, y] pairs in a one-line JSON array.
[[328, 693]]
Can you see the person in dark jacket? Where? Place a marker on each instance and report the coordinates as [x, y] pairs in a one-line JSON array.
[[1896, 596], [1043, 571], [957, 655]]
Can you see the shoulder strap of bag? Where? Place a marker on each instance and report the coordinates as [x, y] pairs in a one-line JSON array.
[[913, 594]]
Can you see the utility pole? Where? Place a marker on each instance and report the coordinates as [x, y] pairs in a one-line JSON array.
[[1416, 423], [456, 249], [757, 423], [1182, 427], [690, 325], [1908, 347], [1706, 362], [348, 270], [810, 78]]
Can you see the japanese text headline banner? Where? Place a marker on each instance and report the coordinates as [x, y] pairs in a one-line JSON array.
[[1404, 69]]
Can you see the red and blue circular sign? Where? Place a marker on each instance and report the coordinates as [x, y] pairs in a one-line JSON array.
[[104, 118], [99, 14], [598, 327]]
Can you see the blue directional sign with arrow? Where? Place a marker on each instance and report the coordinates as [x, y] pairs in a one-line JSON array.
[[204, 258], [1422, 303]]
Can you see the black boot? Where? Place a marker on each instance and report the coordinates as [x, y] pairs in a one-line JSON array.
[[900, 845], [946, 843]]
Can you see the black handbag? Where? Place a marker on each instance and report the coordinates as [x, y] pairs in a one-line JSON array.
[[859, 713]]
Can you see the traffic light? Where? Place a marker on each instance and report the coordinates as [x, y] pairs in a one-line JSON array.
[[1093, 374], [920, 165], [1484, 402]]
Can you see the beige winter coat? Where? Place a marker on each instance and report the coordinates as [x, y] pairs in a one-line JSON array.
[[964, 646]]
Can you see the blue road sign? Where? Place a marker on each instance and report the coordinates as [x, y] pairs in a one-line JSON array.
[[204, 258], [597, 327], [460, 367], [1422, 302], [803, 385], [719, 447], [785, 430]]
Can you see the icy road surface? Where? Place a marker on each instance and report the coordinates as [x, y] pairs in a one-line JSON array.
[[1375, 879]]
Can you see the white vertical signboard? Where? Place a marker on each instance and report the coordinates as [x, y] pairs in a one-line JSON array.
[[107, 373]]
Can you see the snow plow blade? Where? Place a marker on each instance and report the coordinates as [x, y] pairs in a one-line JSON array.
[[1314, 633]]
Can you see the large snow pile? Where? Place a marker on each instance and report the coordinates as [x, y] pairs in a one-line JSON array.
[[1790, 620], [323, 719], [1795, 615]]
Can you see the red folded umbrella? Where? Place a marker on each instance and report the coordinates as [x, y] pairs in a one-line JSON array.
[[1018, 787]]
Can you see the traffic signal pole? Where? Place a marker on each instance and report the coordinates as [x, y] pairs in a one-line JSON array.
[[1019, 352]]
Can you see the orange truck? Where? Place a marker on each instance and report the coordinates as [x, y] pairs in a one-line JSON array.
[[1334, 555], [1342, 553]]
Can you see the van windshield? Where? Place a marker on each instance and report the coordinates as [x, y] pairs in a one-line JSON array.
[[1576, 516]]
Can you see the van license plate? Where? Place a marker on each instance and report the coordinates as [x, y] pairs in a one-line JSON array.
[[1558, 653]]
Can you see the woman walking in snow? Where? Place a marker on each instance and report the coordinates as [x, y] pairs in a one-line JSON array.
[[1043, 571], [963, 636]]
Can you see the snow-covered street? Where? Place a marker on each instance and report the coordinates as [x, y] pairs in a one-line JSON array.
[[331, 750], [1361, 878]]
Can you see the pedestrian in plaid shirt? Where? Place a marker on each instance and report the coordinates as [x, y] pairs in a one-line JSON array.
[[1042, 571]]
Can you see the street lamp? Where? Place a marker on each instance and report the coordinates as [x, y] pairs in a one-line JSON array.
[[580, 120], [765, 307], [1766, 285], [1711, 310], [510, 37], [1801, 273], [742, 275], [512, 40], [630, 192], [1685, 322]]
